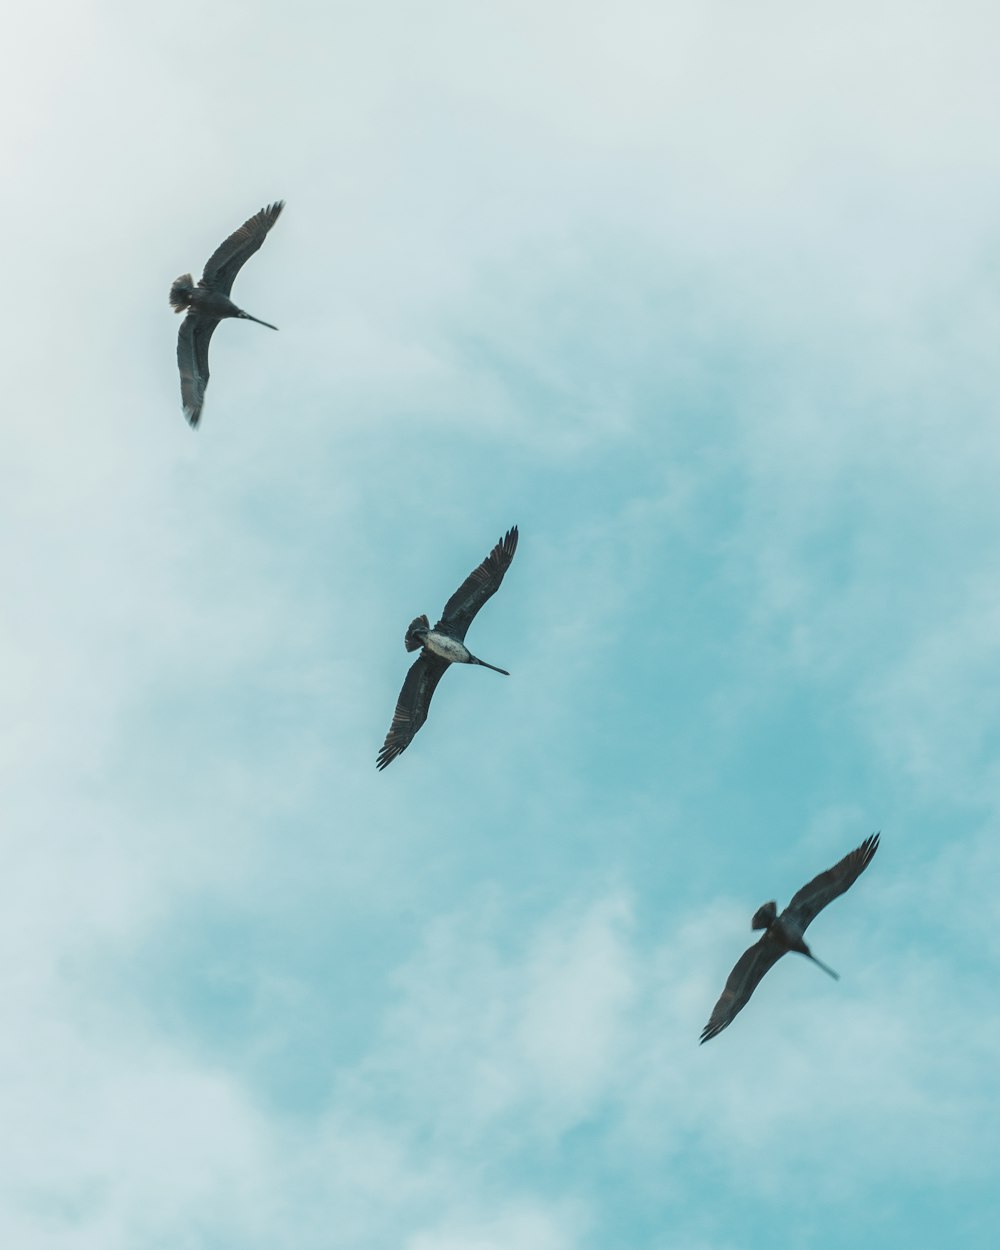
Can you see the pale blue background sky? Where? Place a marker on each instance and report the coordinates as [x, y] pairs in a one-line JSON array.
[[706, 298]]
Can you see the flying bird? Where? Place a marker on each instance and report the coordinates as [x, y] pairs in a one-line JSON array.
[[207, 303], [784, 933], [444, 645]]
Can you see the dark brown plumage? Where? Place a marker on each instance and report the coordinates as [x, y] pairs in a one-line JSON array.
[[784, 933], [208, 302], [444, 645]]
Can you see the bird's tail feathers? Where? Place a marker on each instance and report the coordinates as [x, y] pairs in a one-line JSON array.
[[180, 293], [412, 641]]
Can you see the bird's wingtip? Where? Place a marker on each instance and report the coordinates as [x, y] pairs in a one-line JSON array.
[[868, 848]]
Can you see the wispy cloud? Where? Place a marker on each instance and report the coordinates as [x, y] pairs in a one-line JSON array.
[[706, 302]]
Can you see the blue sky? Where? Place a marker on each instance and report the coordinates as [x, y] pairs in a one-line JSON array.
[[705, 300]]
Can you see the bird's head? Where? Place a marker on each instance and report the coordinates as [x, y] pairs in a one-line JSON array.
[[765, 916]]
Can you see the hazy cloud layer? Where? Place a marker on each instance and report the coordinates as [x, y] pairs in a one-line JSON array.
[[705, 301]]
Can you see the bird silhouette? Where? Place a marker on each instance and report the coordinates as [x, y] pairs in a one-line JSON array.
[[784, 933], [207, 303], [444, 645]]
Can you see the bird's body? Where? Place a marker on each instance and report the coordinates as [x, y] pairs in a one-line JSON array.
[[207, 303], [198, 301], [444, 645], [784, 933], [789, 936], [447, 648]]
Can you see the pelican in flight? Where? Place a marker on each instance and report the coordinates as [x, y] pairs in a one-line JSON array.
[[784, 933], [208, 302], [444, 645]]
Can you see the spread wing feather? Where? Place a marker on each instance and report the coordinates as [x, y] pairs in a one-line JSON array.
[[412, 705], [193, 339], [812, 898], [230, 257], [480, 585], [743, 980]]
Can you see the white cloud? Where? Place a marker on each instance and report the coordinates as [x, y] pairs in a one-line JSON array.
[[703, 298], [481, 1036], [524, 1226]]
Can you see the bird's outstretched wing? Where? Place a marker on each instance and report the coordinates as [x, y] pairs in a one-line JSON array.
[[812, 898], [193, 339], [412, 705], [230, 257], [743, 980], [461, 608]]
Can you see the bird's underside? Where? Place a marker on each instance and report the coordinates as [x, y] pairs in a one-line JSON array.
[[784, 933], [429, 667], [207, 303]]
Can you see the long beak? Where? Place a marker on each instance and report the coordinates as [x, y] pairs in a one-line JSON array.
[[835, 975], [492, 666], [246, 316]]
